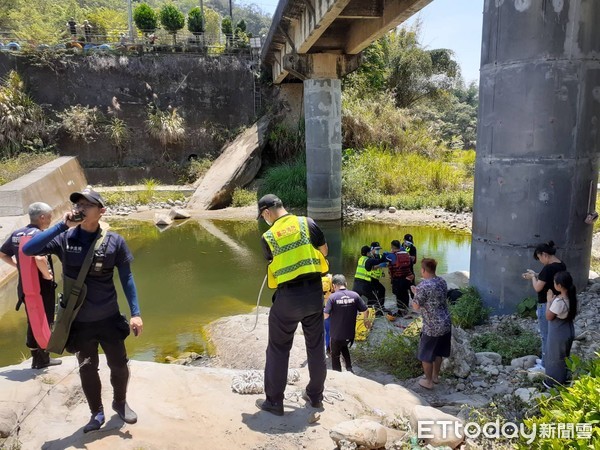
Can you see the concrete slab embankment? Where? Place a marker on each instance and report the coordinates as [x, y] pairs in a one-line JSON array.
[[51, 183]]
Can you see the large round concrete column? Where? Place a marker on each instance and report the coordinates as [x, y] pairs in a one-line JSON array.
[[323, 125], [538, 142]]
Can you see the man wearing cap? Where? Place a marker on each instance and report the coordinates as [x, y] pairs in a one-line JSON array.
[[40, 217], [295, 248], [410, 248], [99, 320], [366, 272]]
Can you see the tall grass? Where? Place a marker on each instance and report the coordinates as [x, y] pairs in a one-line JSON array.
[[288, 182], [380, 178]]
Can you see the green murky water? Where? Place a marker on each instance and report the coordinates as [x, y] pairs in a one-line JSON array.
[[194, 273]]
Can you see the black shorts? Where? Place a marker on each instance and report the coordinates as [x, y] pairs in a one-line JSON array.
[[430, 347]]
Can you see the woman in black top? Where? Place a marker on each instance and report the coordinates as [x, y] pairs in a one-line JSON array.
[[542, 283]]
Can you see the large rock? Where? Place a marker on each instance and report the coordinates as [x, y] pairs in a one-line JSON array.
[[488, 359], [524, 362], [364, 433], [462, 357], [237, 166], [436, 427], [457, 280]]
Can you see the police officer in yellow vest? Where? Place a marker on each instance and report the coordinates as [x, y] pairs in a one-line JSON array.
[[366, 278], [377, 273], [296, 248]]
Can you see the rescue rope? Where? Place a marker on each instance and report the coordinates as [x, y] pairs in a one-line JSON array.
[[252, 381], [257, 303]]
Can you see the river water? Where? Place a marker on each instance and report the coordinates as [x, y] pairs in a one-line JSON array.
[[199, 271]]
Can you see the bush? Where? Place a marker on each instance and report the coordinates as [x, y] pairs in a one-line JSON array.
[[195, 20], [195, 170], [81, 122], [288, 182], [509, 340], [166, 126], [243, 197], [468, 310], [527, 307], [145, 18], [286, 142], [398, 354], [22, 121], [576, 404], [171, 18]]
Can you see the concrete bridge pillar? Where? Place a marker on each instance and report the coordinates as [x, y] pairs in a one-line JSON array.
[[321, 74], [538, 142]]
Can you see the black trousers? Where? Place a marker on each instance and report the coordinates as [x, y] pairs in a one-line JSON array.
[[303, 304], [84, 340], [340, 348], [401, 288], [364, 288], [379, 291], [48, 291]]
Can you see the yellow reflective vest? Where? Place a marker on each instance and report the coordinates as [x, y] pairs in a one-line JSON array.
[[361, 271], [293, 253]]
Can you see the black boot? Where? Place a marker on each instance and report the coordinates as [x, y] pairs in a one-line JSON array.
[[41, 359]]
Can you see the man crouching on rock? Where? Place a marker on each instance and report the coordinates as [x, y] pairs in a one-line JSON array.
[[296, 249], [431, 299], [99, 320]]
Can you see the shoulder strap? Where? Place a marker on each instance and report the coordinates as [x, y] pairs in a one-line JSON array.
[[87, 262]]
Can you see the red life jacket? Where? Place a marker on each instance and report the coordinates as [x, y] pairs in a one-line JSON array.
[[400, 268]]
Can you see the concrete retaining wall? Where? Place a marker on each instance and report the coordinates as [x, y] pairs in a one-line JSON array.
[[51, 183]]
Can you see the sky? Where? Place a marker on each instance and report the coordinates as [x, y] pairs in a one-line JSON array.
[[452, 24]]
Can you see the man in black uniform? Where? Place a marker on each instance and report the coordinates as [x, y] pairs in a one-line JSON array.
[[40, 217], [295, 248]]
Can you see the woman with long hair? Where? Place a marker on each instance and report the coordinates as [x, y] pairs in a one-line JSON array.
[[560, 313], [542, 283]]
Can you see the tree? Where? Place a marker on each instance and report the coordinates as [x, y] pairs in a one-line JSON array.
[[416, 73], [172, 19], [195, 21], [145, 18], [227, 29]]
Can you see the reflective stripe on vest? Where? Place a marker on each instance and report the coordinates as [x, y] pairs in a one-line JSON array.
[[361, 272], [376, 274], [293, 253]]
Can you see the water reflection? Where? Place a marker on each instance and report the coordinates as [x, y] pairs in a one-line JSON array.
[[194, 273]]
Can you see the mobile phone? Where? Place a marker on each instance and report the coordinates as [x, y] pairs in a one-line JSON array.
[[77, 217]]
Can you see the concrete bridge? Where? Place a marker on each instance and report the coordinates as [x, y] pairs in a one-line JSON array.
[[538, 128]]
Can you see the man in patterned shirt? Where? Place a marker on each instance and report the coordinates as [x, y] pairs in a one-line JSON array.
[[431, 300]]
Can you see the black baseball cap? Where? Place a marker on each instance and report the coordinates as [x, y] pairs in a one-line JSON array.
[[408, 237], [90, 195], [268, 201], [375, 245]]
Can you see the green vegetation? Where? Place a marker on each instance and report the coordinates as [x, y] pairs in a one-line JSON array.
[[22, 121], [468, 310], [145, 18], [509, 340], [527, 307], [166, 126], [243, 197], [395, 354], [195, 20], [22, 164], [171, 19], [379, 178], [81, 122], [287, 181], [575, 404]]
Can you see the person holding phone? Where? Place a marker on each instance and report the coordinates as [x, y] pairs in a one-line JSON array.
[[99, 321]]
